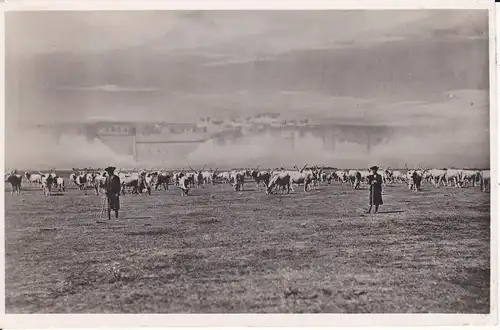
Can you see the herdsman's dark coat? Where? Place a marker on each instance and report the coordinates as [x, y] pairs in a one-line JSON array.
[[375, 182], [113, 187]]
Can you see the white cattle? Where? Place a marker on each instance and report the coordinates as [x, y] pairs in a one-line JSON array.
[[453, 176], [72, 179], [280, 180], [34, 179], [130, 182], [176, 176], [224, 177], [437, 176], [414, 179], [183, 185], [397, 176], [301, 176], [207, 177], [100, 182], [354, 178], [364, 175], [60, 184]]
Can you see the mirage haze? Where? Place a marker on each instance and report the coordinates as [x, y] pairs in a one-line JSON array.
[[233, 88]]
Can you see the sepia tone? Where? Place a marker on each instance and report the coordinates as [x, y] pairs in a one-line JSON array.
[[242, 145]]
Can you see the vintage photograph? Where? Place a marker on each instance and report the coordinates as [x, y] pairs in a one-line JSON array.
[[247, 161]]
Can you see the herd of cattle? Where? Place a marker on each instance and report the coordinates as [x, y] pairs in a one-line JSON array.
[[273, 181]]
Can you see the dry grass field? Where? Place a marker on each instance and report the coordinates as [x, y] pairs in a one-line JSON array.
[[220, 251]]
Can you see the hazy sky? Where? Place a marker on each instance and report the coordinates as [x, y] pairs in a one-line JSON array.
[[412, 67]]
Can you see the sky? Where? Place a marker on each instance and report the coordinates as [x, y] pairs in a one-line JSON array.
[[425, 68]]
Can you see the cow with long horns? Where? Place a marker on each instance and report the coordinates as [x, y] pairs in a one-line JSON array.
[[260, 176], [198, 176]]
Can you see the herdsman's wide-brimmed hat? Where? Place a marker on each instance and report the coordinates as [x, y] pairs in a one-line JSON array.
[[374, 168], [110, 169]]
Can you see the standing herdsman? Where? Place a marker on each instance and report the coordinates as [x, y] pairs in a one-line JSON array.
[[113, 188], [375, 182]]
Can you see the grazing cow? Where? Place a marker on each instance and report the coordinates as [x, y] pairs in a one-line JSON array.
[[260, 176], [183, 185], [224, 177], [485, 180], [436, 176], [15, 181], [469, 176], [453, 176], [33, 179], [281, 180], [354, 178]]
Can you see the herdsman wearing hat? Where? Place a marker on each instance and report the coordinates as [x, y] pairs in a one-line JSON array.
[[113, 188], [375, 182]]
